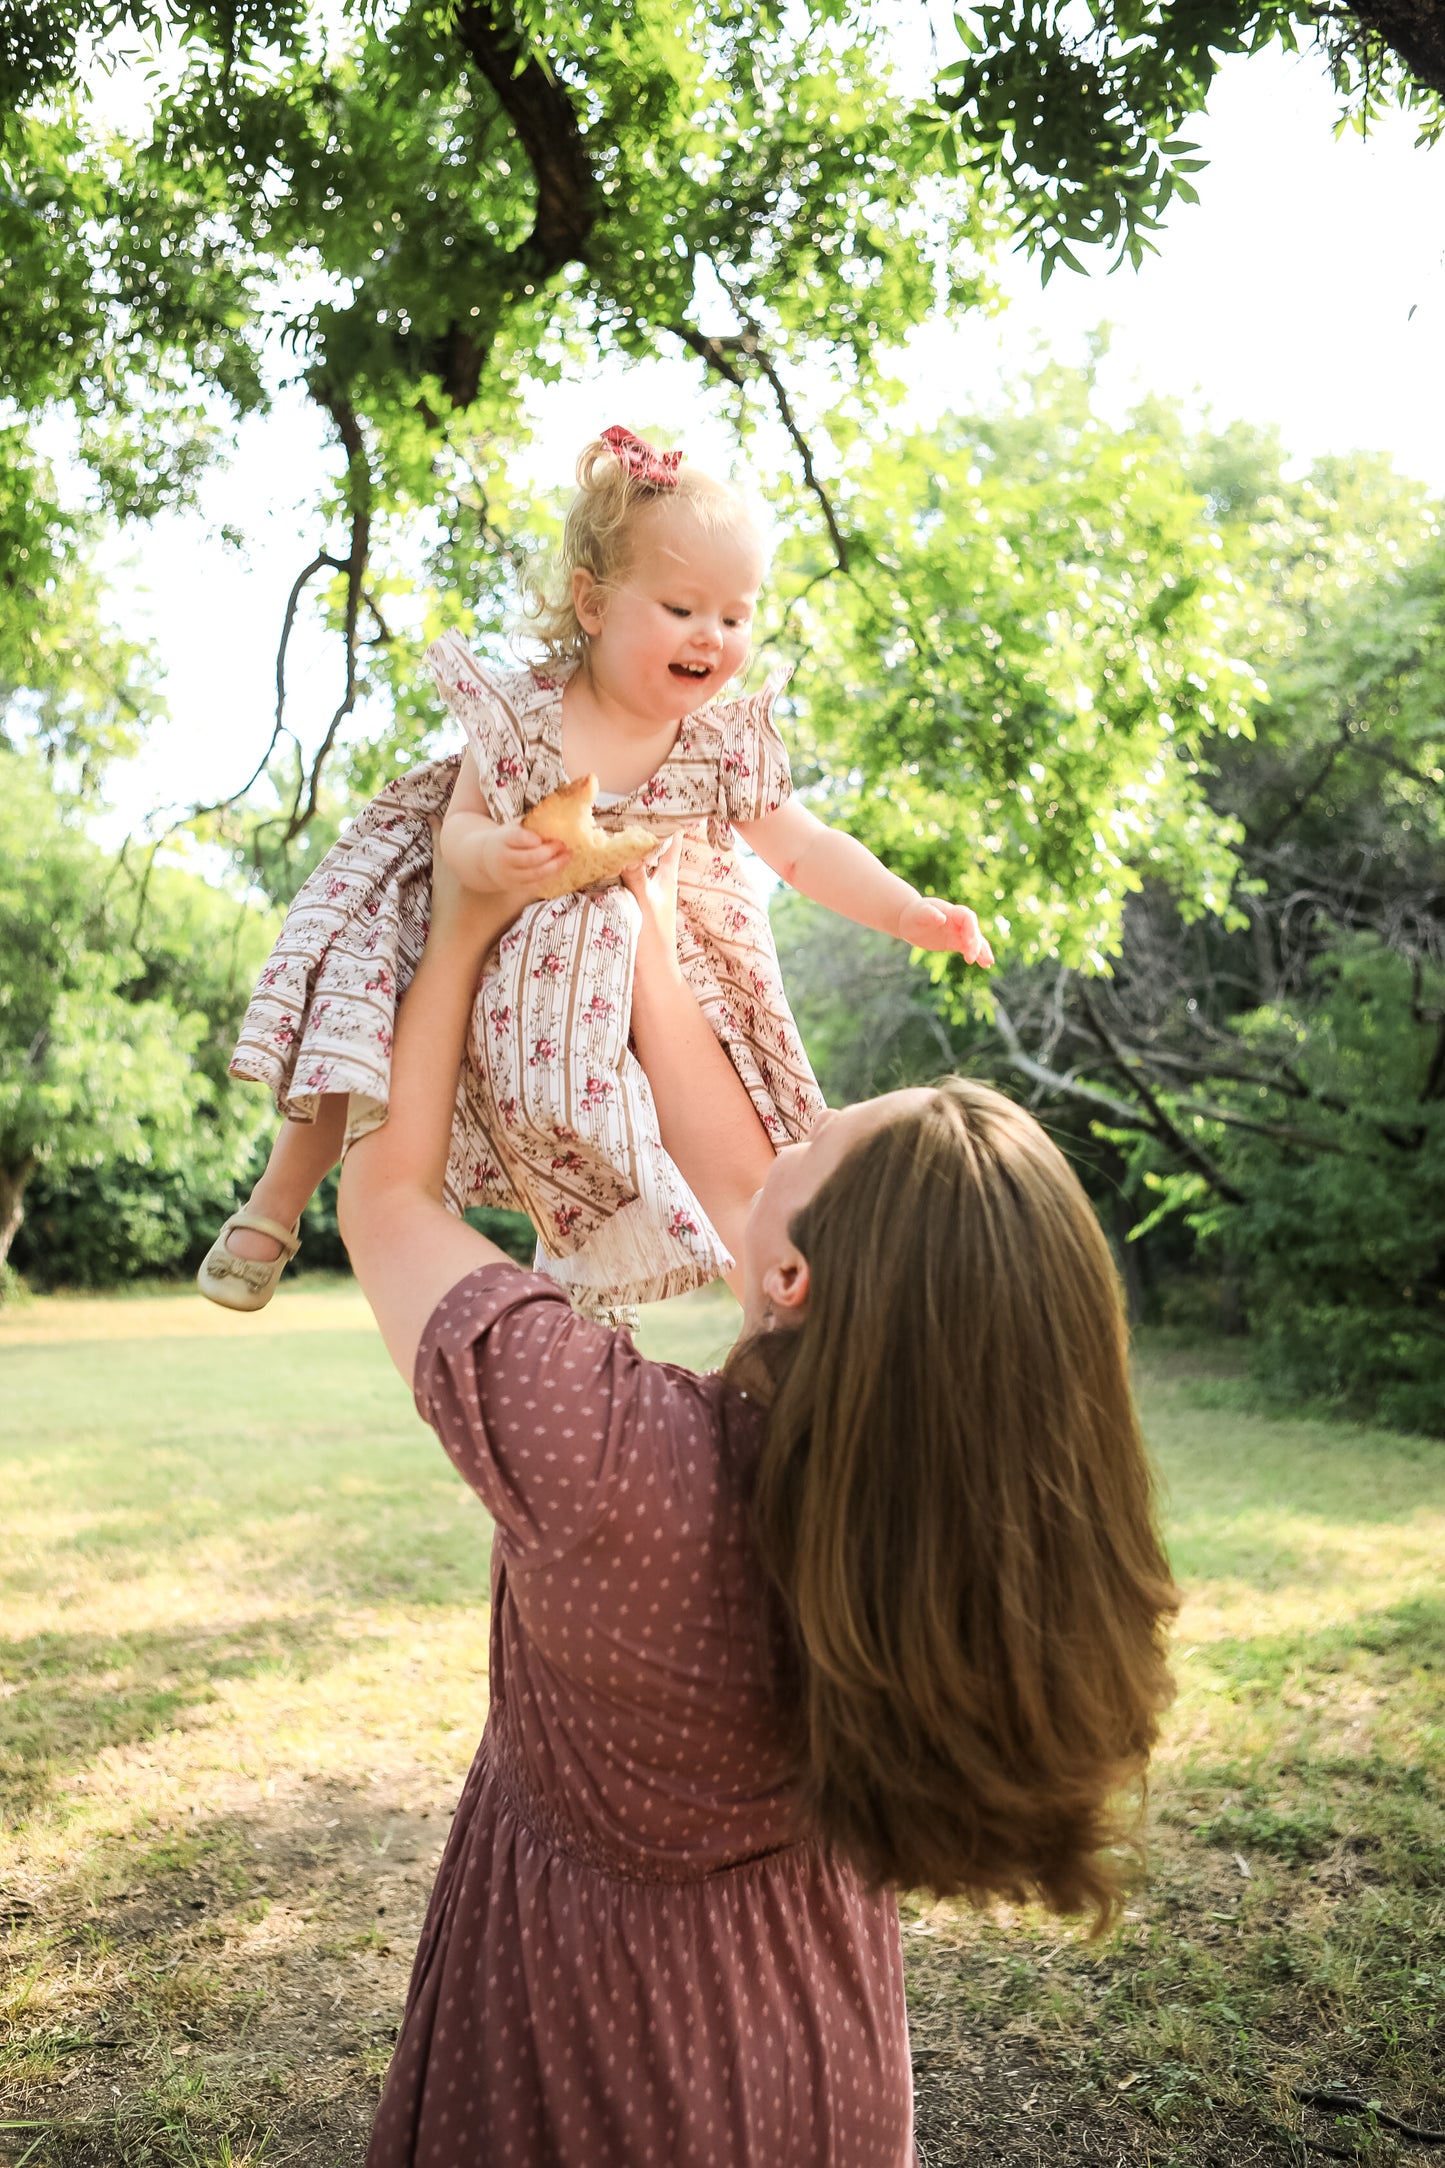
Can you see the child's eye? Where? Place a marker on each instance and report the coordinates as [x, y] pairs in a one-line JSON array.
[[675, 609]]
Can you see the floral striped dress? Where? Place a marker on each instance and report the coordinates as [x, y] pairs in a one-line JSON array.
[[554, 1113]]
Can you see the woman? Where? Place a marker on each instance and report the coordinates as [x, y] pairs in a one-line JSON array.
[[882, 1606]]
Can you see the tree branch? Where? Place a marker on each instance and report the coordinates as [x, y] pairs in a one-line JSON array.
[[1414, 29], [1303, 796], [1333, 2097], [568, 201], [1055, 1080], [1193, 1155], [547, 129], [1434, 1085], [1277, 1132], [1158, 1123], [718, 353], [358, 499], [1285, 1080]]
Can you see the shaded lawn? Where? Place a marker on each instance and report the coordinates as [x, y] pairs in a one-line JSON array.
[[242, 1670]]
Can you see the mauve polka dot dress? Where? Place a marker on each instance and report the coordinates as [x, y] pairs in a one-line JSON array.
[[629, 1957]]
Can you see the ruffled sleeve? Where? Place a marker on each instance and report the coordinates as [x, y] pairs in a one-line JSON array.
[[482, 703], [756, 777]]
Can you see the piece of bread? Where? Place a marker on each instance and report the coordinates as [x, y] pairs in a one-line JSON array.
[[598, 854]]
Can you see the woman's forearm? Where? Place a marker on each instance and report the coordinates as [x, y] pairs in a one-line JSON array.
[[406, 1248], [708, 1123]]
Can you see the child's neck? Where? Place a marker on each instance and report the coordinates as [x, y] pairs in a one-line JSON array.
[[602, 736]]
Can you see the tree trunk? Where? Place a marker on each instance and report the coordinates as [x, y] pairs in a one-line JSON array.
[[1415, 29], [12, 1207]]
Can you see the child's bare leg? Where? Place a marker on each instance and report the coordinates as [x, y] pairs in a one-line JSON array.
[[303, 1153]]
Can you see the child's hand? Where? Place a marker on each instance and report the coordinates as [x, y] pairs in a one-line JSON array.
[[460, 913], [502, 859], [929, 923]]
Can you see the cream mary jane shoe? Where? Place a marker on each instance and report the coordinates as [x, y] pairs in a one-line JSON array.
[[246, 1283]]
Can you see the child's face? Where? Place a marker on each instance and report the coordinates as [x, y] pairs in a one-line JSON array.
[[678, 625]]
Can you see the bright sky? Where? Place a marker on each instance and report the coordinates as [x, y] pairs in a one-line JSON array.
[[1307, 289]]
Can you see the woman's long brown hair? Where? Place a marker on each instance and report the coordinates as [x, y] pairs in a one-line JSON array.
[[955, 1505]]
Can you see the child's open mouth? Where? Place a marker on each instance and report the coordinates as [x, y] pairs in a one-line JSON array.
[[694, 671]]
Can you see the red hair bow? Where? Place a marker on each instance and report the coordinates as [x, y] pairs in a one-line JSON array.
[[641, 460]]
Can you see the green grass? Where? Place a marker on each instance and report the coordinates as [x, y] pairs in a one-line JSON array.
[[243, 1668]]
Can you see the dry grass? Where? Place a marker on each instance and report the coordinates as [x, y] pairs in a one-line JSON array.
[[243, 1670]]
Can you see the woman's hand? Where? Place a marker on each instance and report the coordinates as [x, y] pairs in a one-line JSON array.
[[654, 884]]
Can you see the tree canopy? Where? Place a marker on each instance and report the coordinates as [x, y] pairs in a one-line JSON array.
[[85, 1073], [1009, 694], [1255, 1079], [426, 205]]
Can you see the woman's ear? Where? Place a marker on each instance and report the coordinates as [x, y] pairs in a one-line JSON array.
[[785, 1287], [587, 600]]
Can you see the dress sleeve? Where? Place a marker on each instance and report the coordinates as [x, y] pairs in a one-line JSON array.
[[756, 777], [480, 702], [537, 1407]]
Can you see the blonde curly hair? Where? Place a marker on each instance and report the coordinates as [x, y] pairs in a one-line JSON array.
[[599, 536]]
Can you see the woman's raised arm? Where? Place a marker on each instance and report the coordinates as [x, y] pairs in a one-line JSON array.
[[406, 1248], [709, 1124]]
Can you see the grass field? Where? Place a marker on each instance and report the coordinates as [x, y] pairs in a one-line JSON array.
[[243, 1668]]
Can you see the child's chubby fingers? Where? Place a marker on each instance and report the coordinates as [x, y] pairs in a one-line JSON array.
[[930, 923], [526, 847], [968, 936], [531, 858]]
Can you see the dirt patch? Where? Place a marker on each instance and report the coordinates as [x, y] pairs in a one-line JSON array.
[[237, 1985], [234, 1989]]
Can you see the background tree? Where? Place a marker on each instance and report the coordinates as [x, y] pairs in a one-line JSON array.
[[1250, 1064], [1277, 1074], [108, 1064], [1034, 653], [73, 687], [1007, 692], [427, 208]]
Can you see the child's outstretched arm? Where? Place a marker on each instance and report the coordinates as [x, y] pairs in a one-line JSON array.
[[837, 871], [492, 857]]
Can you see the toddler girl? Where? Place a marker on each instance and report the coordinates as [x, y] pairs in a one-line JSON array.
[[647, 620]]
